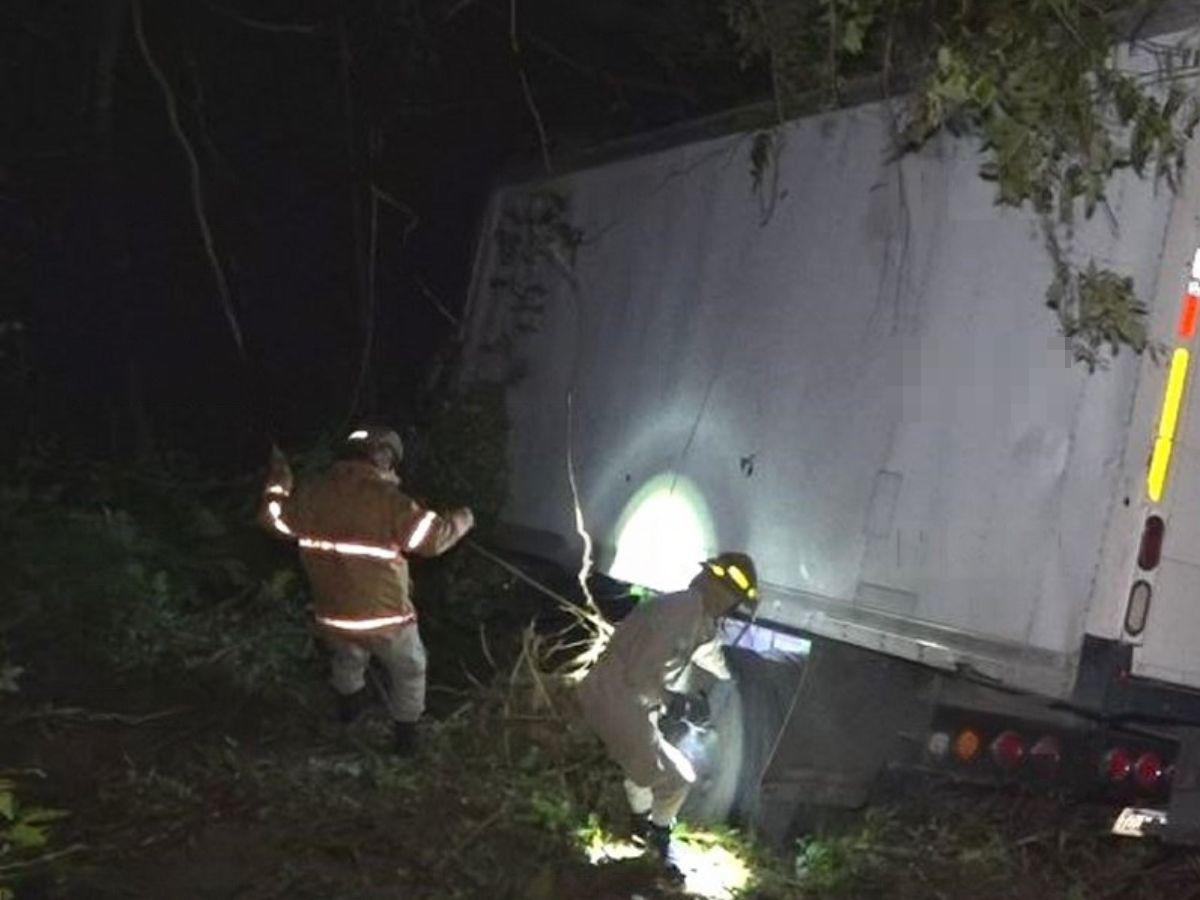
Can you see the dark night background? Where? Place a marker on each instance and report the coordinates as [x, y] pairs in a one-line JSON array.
[[297, 112]]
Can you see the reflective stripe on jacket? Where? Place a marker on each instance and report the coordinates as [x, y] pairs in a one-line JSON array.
[[354, 528]]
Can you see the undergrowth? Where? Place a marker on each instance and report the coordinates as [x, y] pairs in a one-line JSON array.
[[156, 668]]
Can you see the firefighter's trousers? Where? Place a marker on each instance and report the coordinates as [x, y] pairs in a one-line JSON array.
[[400, 650], [657, 775]]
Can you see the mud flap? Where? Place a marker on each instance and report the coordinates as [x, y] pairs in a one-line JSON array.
[[853, 711], [1183, 813]]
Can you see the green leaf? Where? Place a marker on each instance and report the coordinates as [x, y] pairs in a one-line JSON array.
[[8, 803], [41, 816], [25, 836], [8, 678], [852, 37]]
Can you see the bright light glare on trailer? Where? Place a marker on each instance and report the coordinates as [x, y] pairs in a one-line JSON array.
[[662, 535]]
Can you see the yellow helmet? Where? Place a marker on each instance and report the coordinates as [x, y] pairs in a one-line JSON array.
[[737, 571]]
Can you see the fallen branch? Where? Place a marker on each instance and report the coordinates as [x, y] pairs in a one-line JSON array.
[[84, 715], [517, 573], [43, 859], [487, 652], [530, 658], [469, 837]]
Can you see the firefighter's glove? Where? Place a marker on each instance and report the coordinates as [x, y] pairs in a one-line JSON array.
[[676, 706], [463, 520], [692, 708]]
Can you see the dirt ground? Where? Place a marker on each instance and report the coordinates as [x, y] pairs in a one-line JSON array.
[[178, 793]]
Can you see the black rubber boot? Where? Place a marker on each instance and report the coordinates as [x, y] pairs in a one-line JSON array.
[[350, 707], [405, 743], [659, 839]]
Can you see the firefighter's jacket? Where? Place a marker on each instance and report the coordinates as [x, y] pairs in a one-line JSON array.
[[355, 528], [650, 651]]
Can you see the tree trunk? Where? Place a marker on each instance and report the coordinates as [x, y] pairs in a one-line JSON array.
[[131, 429], [362, 255]]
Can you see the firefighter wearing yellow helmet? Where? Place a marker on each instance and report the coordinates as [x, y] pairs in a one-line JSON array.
[[649, 652], [356, 529]]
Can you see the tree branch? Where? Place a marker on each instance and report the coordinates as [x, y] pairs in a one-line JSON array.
[[586, 561], [437, 304], [197, 188], [260, 25], [515, 44]]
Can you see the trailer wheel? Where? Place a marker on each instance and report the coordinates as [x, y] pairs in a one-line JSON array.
[[730, 756]]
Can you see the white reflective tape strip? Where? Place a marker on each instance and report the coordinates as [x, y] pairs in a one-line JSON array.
[[277, 490], [367, 624], [276, 511], [421, 531], [1196, 265], [346, 548], [681, 762], [359, 435]]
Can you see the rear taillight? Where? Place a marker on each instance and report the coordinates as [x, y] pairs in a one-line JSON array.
[[1008, 750], [1150, 549], [1137, 610], [1148, 771], [938, 745], [966, 745], [1116, 766], [1045, 756]]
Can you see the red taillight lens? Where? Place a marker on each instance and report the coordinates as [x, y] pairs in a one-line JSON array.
[[1150, 550], [1008, 750], [1045, 756], [1116, 765], [1148, 771]]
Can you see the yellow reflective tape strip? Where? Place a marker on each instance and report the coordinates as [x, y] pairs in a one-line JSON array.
[[1158, 469], [719, 571], [739, 577], [1175, 383], [1161, 459]]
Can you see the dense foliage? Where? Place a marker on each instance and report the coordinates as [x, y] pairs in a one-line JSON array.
[[1040, 84]]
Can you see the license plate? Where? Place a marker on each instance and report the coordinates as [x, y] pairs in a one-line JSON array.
[[1133, 822]]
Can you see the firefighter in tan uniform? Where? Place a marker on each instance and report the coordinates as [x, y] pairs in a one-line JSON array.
[[649, 652], [355, 528]]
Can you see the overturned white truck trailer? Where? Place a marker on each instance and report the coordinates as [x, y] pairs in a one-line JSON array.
[[994, 554]]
